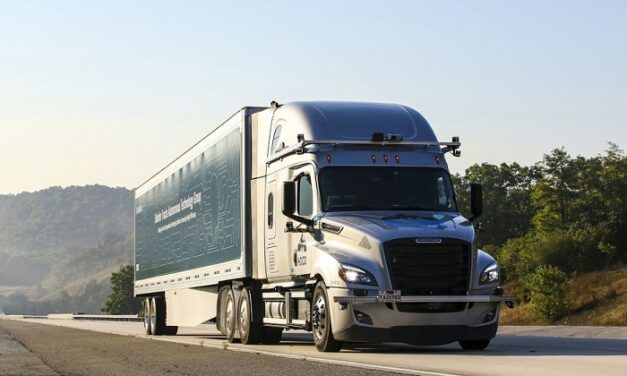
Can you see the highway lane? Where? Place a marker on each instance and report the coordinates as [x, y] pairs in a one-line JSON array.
[[515, 351]]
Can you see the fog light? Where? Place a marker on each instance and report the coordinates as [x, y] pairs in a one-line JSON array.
[[489, 316], [363, 318]]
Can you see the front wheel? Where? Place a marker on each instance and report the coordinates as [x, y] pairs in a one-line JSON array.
[[321, 321], [475, 344]]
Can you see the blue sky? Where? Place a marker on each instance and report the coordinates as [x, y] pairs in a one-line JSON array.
[[109, 92]]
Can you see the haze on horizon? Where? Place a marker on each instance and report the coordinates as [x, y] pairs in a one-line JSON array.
[[108, 93]]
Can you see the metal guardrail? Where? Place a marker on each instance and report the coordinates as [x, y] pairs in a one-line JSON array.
[[79, 316], [107, 317]]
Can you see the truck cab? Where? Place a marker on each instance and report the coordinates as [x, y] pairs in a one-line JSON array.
[[361, 209]]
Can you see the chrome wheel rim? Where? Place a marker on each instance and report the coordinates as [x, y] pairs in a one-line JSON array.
[[243, 317], [153, 316], [146, 314], [319, 317], [229, 316]]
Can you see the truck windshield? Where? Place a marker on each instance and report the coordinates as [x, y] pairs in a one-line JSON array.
[[386, 188]]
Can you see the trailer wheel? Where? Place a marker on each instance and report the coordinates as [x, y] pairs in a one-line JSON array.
[[272, 335], [230, 316], [160, 327], [250, 329], [147, 326], [475, 345], [152, 313], [321, 321]]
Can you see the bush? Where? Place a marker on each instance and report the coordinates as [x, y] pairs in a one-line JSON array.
[[547, 292]]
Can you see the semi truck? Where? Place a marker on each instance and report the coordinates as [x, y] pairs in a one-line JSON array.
[[337, 218]]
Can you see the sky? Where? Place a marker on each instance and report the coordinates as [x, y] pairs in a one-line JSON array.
[[110, 92]]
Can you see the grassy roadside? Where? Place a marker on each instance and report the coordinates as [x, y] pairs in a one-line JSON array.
[[597, 298]]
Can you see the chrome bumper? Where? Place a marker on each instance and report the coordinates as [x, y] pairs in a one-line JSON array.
[[508, 300]]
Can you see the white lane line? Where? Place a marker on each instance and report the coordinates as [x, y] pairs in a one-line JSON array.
[[226, 346]]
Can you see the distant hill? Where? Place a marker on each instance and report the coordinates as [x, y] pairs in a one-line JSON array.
[[58, 247]]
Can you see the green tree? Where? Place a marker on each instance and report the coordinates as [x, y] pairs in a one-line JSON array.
[[507, 199], [547, 292], [121, 300]]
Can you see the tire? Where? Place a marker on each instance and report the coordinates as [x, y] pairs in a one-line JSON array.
[[147, 326], [250, 329], [160, 327], [480, 344], [321, 321], [230, 316], [272, 335]]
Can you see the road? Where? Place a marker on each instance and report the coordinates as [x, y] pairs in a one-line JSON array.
[[515, 351]]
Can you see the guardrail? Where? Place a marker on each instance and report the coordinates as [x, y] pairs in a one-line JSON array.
[[79, 316], [107, 317]]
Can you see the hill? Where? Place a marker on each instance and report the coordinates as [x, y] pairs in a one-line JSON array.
[[59, 246], [596, 298]]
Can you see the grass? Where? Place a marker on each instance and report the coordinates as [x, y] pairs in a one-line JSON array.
[[597, 298]]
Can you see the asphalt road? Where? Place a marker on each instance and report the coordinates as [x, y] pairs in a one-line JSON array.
[[515, 351]]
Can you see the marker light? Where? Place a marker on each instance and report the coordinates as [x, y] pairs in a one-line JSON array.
[[385, 158], [437, 160], [328, 158], [397, 158], [373, 158]]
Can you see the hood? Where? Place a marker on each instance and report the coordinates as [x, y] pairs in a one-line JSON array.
[[388, 225]]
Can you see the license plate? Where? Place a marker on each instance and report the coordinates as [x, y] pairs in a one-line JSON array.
[[391, 296]]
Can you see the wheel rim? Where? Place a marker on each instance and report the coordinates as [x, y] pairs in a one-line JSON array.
[[229, 316], [243, 317], [146, 314], [153, 316], [319, 318]]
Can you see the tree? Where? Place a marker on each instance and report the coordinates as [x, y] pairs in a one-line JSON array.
[[547, 291], [121, 300]]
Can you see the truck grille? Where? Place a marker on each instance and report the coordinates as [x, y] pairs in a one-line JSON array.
[[428, 269]]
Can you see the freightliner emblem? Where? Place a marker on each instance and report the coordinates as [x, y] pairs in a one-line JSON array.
[[428, 240]]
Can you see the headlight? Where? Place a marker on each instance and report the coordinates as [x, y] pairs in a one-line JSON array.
[[351, 274], [489, 274]]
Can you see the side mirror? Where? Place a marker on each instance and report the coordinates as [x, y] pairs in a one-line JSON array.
[[289, 198], [476, 200]]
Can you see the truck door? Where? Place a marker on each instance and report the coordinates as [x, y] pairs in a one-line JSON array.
[[300, 244]]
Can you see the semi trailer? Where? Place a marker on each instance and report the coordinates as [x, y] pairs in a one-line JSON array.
[[337, 218]]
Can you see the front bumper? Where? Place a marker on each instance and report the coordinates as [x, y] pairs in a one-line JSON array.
[[477, 319], [508, 300]]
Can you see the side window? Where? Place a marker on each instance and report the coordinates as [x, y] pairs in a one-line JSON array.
[[275, 140], [443, 197], [305, 196], [270, 210]]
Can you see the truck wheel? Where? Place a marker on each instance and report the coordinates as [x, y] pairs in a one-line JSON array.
[[475, 345], [153, 317], [321, 321], [229, 316], [160, 327], [250, 330], [147, 326], [271, 335]]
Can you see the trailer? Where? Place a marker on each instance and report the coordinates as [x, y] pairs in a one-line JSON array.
[[333, 217]]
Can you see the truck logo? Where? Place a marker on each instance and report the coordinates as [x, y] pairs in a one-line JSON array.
[[300, 253], [428, 240]]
